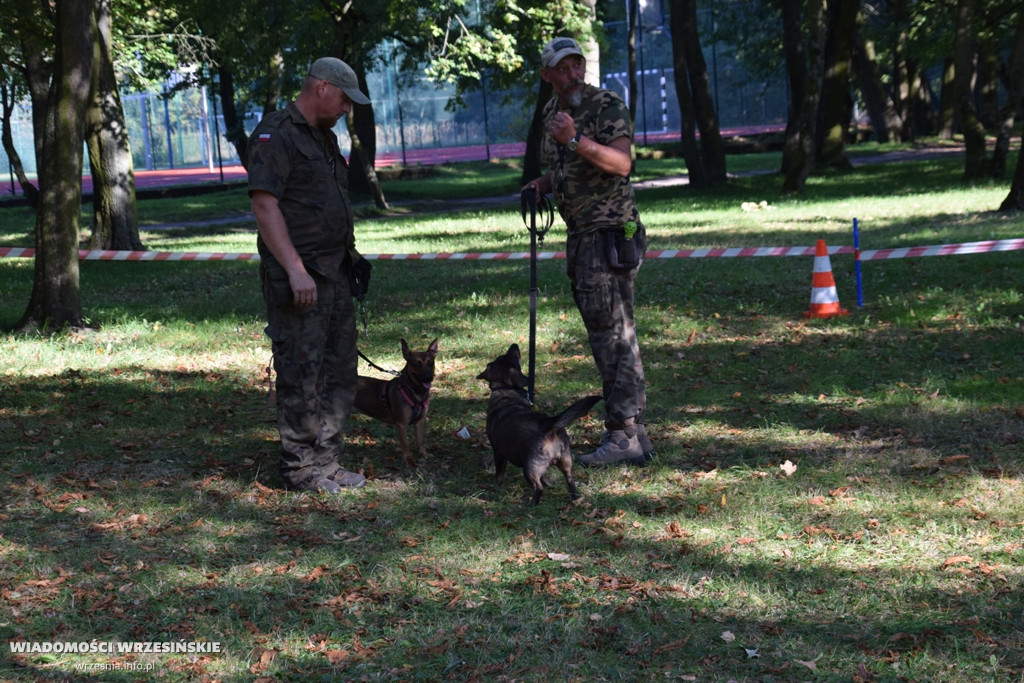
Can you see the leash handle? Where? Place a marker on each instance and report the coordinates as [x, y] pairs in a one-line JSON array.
[[543, 207]]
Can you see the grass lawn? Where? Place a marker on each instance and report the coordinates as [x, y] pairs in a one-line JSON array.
[[832, 499]]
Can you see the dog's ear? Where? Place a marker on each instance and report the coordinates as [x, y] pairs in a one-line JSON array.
[[433, 348], [514, 352], [405, 349], [517, 378]]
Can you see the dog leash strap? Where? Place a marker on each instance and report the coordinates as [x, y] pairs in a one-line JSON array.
[[375, 366], [529, 204], [362, 313]]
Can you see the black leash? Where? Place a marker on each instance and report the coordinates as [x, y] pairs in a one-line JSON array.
[[373, 365], [533, 206]]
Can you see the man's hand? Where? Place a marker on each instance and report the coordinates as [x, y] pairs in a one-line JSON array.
[[303, 288], [562, 128]]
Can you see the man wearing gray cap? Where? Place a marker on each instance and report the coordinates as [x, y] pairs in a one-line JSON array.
[[298, 183], [588, 134]]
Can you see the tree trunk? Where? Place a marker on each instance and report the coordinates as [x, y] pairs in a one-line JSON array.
[[975, 154], [698, 175], [234, 126], [1015, 200], [986, 90], [115, 221], [836, 103], [923, 120], [1014, 98], [805, 75], [885, 122], [711, 147], [275, 78], [949, 119], [7, 97], [362, 130], [55, 302]]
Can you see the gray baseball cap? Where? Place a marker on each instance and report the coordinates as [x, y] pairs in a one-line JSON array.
[[557, 50], [340, 75]]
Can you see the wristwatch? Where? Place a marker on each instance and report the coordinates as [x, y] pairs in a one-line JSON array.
[[574, 143]]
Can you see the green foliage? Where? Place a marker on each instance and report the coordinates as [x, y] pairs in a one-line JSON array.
[[505, 41], [150, 42]]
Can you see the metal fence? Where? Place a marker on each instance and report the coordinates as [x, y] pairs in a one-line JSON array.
[[185, 130]]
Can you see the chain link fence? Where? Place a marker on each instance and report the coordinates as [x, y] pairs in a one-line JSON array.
[[185, 130]]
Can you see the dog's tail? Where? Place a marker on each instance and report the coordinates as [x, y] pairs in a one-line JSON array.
[[573, 412]]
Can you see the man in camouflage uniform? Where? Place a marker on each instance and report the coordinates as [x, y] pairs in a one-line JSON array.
[[298, 182], [587, 144]]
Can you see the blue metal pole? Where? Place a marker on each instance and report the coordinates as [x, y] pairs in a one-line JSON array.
[[856, 251]]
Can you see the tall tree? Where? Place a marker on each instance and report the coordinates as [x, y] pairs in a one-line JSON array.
[[885, 121], [60, 89], [115, 221], [836, 104], [12, 92], [1015, 97], [695, 171], [975, 153], [243, 60], [693, 88], [353, 39], [805, 67], [1006, 116], [1015, 199]]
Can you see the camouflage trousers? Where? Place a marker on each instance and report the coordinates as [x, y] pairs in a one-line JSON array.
[[315, 359], [604, 297]]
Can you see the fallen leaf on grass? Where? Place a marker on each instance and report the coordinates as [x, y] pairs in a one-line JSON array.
[[264, 658], [674, 645], [674, 530], [788, 468], [728, 636], [955, 560], [810, 665]]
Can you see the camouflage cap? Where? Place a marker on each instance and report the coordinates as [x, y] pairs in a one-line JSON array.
[[557, 50], [340, 75]]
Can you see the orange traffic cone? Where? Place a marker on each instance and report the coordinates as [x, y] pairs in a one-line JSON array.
[[824, 298]]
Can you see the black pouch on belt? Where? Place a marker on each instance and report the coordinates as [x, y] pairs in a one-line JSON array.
[[623, 252], [277, 278], [359, 278]]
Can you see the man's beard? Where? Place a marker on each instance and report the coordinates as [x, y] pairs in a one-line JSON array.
[[575, 97]]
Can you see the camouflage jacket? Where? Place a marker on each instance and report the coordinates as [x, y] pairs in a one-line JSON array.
[[588, 198], [303, 167]]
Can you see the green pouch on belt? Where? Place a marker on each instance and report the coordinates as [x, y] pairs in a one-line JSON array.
[[623, 246]]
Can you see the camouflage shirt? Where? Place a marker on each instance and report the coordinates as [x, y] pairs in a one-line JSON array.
[[303, 167], [587, 197]]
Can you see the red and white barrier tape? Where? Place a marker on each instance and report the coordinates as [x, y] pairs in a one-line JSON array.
[[103, 255], [731, 252]]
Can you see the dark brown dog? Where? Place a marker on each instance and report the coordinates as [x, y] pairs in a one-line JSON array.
[[402, 401], [525, 437]]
